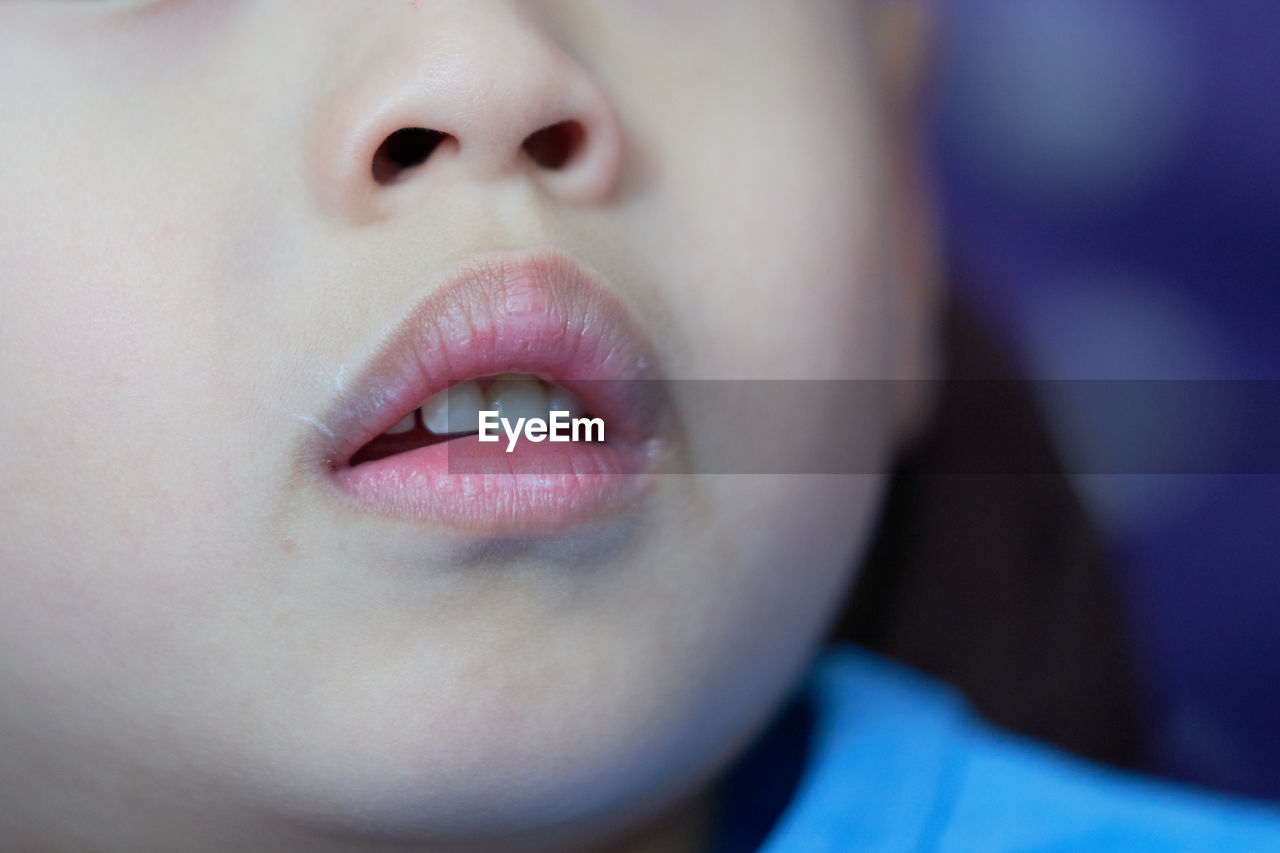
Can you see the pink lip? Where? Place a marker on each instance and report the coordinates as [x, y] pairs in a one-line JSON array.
[[539, 314]]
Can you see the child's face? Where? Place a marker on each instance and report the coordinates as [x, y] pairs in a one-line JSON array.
[[196, 623]]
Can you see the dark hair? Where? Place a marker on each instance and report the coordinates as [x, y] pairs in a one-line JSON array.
[[997, 582]]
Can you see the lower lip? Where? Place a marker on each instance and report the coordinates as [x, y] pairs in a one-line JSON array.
[[479, 487]]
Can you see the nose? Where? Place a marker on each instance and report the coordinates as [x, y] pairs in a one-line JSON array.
[[474, 92]]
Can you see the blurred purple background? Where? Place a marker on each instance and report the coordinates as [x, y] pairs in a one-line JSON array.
[[1110, 170]]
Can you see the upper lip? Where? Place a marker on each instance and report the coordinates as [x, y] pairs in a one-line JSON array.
[[535, 313]]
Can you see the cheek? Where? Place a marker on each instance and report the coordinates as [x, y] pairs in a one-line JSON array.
[[771, 214], [132, 345], [774, 252], [99, 426], [801, 289], [117, 377]]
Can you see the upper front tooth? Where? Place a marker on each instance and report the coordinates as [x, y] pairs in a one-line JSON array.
[[456, 410], [515, 396], [560, 400]]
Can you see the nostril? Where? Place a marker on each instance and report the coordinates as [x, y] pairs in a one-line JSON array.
[[553, 147], [403, 150]]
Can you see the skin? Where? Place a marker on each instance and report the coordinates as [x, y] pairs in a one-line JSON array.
[[199, 647]]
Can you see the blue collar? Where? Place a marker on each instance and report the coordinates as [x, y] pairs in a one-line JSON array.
[[858, 760]]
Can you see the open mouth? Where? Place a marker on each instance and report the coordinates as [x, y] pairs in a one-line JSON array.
[[455, 412], [526, 338]]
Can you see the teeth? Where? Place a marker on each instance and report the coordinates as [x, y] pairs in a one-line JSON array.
[[456, 410], [514, 396], [404, 426], [560, 400]]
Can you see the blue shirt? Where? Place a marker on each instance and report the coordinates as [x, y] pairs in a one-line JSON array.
[[874, 756]]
